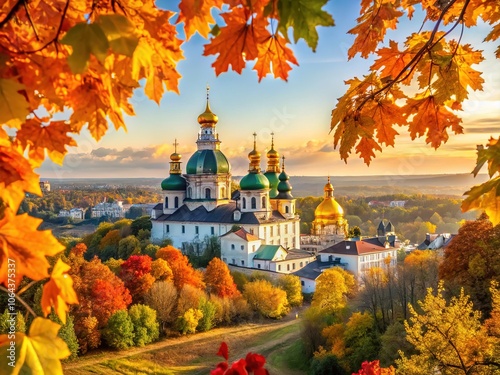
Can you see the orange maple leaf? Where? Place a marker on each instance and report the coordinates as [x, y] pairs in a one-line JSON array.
[[386, 113], [196, 16], [237, 40], [274, 53], [365, 149], [393, 61], [430, 119], [52, 138], [58, 291], [24, 246], [16, 176]]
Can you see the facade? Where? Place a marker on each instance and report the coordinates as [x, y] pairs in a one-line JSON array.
[[74, 213], [114, 210], [198, 204]]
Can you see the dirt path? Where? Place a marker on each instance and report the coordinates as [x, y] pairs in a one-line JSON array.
[[181, 350]]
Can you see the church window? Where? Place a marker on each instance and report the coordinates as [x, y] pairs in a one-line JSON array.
[[272, 231], [189, 192], [176, 202], [212, 231], [258, 266], [232, 246], [244, 203], [183, 229], [293, 265], [288, 267], [263, 202], [242, 262], [197, 229], [254, 203], [223, 192], [286, 209], [279, 267], [167, 229], [242, 247], [251, 230], [302, 282], [207, 193], [166, 202], [234, 261], [300, 264]]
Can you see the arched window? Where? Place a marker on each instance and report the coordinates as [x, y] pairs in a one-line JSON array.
[[286, 209], [176, 202], [254, 203], [207, 193], [166, 202], [263, 202], [223, 192], [244, 203], [189, 192]]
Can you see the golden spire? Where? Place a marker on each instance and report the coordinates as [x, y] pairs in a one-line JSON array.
[[175, 165], [283, 164], [328, 188], [273, 158], [254, 157], [208, 118]]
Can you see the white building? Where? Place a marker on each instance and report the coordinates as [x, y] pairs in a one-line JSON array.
[[113, 210], [74, 213], [199, 203]]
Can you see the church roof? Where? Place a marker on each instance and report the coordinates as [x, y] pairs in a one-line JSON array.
[[266, 252], [242, 233], [207, 161], [221, 214], [361, 247]]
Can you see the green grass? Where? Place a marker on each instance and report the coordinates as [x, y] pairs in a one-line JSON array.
[[277, 334], [127, 366], [290, 357]]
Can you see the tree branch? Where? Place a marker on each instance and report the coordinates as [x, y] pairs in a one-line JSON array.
[[11, 13]]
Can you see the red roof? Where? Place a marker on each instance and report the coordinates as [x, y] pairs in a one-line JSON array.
[[242, 233], [366, 246]]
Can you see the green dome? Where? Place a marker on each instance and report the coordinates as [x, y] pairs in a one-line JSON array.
[[174, 182], [284, 187], [254, 181], [273, 183], [207, 161]]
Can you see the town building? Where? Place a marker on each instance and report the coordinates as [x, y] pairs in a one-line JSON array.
[[74, 213], [198, 204], [111, 210]]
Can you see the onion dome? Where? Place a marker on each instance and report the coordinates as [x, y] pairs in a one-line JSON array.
[[208, 118], [284, 186], [254, 180], [207, 161], [329, 212], [175, 181], [273, 168]]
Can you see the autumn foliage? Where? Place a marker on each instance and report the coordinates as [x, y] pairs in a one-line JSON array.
[[136, 275], [219, 280], [183, 272]]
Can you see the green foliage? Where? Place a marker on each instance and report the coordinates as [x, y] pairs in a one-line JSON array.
[[240, 279], [128, 246], [144, 222], [361, 340], [146, 327], [354, 232], [6, 319], [67, 333], [326, 364], [393, 340], [151, 250], [208, 310], [119, 333]]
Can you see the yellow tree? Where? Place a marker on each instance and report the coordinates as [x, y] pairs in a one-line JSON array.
[[449, 338], [332, 288]]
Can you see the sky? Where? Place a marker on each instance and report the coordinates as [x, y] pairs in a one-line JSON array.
[[297, 112]]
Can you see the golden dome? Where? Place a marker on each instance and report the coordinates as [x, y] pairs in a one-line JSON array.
[[329, 211], [254, 156], [208, 118], [175, 156]]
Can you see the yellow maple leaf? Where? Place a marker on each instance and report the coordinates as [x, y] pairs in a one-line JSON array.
[[196, 16], [25, 246], [274, 53], [484, 197], [13, 105], [38, 353], [58, 291]]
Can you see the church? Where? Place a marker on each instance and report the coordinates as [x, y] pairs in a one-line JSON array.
[[199, 204]]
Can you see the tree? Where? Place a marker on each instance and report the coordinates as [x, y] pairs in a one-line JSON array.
[[218, 279], [448, 338], [119, 333], [266, 299], [291, 285], [161, 271], [471, 261], [182, 271], [145, 325], [128, 246], [332, 289], [189, 298], [354, 232], [208, 310], [162, 297], [135, 273], [143, 222], [188, 321]]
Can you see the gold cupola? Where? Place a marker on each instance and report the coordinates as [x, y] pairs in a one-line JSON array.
[[254, 157], [329, 212], [208, 118], [273, 158]]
